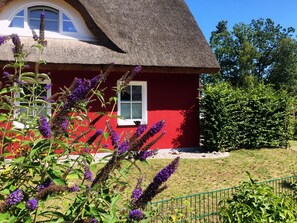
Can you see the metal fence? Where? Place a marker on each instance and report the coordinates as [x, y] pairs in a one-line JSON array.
[[204, 207]]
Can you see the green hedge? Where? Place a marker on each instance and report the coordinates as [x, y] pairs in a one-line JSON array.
[[236, 118]]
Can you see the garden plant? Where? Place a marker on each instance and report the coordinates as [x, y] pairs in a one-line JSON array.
[[257, 202], [40, 181]]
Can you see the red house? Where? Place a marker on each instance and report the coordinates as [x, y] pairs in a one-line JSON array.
[[84, 36]]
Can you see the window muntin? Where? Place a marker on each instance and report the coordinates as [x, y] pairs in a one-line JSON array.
[[31, 103], [132, 104]]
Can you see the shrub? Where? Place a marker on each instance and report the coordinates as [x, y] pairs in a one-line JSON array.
[[254, 202], [238, 118], [41, 183]]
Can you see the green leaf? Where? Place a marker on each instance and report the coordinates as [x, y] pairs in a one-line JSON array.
[[4, 216]]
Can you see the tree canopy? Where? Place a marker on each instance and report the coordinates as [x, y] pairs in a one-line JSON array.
[[257, 52]]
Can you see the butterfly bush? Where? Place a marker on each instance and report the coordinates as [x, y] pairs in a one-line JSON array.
[[59, 165]]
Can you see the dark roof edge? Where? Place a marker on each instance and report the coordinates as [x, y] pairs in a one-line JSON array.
[[124, 68]]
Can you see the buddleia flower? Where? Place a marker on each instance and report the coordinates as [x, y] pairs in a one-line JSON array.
[[44, 127], [137, 192], [32, 204], [74, 188], [15, 197], [88, 175], [154, 187], [6, 74], [157, 127], [140, 130], [48, 182], [48, 86], [3, 39], [94, 137], [35, 36], [113, 136], [143, 155], [18, 47], [165, 173], [136, 215], [123, 147]]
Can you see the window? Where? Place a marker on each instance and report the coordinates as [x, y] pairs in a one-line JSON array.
[[132, 104], [61, 20], [67, 24], [54, 19], [18, 20], [31, 102]]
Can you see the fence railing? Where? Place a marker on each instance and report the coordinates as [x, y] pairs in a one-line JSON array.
[[204, 207]]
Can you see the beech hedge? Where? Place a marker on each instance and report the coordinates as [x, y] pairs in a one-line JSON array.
[[245, 118]]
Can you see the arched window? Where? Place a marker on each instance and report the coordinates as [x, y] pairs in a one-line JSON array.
[[54, 20], [61, 20]]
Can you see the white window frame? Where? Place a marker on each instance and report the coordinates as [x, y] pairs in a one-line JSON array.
[[11, 10], [131, 122], [20, 125]]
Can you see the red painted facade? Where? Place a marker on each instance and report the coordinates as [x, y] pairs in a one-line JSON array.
[[171, 97]]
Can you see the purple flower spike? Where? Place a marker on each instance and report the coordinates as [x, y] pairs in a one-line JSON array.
[[21, 83], [42, 15], [48, 182], [88, 174], [3, 39], [143, 155], [35, 37], [31, 204], [95, 80], [94, 137], [17, 43], [44, 127], [136, 215], [165, 173], [15, 197], [136, 193], [123, 147], [113, 136], [74, 188], [48, 86], [140, 130], [64, 124], [157, 127], [136, 70], [5, 74], [94, 220]]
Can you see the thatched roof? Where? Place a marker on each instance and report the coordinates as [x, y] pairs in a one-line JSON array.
[[150, 33]]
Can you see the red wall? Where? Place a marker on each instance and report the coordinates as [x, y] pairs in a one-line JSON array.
[[172, 97]]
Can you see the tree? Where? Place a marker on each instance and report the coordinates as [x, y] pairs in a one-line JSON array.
[[255, 52], [284, 69]]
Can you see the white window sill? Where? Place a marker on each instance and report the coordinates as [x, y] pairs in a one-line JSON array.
[[130, 122]]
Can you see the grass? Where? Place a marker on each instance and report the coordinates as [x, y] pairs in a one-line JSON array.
[[200, 175]]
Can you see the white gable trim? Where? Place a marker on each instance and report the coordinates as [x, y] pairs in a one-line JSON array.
[[9, 12]]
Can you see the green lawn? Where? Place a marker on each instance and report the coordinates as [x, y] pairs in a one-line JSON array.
[[199, 175]]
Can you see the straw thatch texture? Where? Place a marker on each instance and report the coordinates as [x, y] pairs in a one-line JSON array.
[[155, 33]]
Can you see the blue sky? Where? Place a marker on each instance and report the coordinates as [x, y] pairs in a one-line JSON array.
[[209, 12]]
